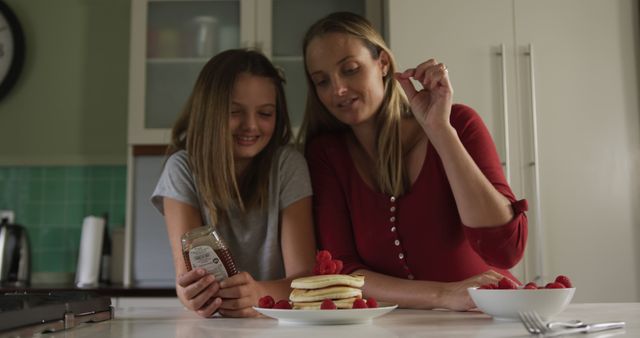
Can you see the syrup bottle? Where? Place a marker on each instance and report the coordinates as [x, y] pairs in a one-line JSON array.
[[203, 247]]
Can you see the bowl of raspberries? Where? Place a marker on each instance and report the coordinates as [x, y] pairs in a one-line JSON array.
[[505, 299]]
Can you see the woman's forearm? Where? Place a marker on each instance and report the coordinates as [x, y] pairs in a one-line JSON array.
[[478, 201], [420, 294], [409, 294]]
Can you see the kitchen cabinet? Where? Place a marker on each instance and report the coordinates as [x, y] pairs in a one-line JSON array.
[[283, 39], [170, 42], [150, 263], [556, 82]]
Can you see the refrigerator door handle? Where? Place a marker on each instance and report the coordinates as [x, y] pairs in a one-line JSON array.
[[538, 234], [505, 114]]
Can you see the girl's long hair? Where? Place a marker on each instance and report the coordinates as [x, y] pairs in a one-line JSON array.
[[390, 175], [202, 129]]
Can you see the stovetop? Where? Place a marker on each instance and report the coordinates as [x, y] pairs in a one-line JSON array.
[[25, 314]]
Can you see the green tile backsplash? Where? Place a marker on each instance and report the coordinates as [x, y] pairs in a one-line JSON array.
[[51, 202]]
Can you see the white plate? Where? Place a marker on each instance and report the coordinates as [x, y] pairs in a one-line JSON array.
[[327, 317]]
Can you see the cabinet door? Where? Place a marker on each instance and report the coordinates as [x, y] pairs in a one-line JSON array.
[[170, 43], [582, 81], [151, 260], [586, 99], [280, 37], [468, 37]]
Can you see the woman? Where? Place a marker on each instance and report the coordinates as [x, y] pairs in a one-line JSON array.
[[408, 187], [230, 166]]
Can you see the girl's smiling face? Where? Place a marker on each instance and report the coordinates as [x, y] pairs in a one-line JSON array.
[[346, 77], [252, 116]]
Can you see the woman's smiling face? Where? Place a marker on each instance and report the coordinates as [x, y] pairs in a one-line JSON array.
[[346, 77]]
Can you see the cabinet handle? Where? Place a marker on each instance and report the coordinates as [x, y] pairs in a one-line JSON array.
[[536, 170], [505, 114]]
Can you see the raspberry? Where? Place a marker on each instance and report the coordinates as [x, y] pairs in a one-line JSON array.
[[339, 265], [316, 270], [487, 287], [266, 302], [506, 283], [283, 304], [326, 267], [328, 304], [564, 280], [359, 304], [323, 255], [371, 303], [554, 285], [531, 286]]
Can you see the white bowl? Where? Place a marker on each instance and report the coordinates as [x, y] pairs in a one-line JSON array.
[[505, 304]]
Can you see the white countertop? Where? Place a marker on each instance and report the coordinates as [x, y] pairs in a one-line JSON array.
[[158, 322]]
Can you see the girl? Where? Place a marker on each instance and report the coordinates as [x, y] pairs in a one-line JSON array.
[[230, 166], [408, 188]]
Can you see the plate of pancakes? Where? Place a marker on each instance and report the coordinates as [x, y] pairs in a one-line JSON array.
[[309, 293]]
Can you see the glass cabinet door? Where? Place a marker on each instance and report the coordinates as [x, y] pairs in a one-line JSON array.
[[290, 20], [181, 37], [171, 40]]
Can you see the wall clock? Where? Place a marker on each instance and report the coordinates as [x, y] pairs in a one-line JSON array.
[[11, 49]]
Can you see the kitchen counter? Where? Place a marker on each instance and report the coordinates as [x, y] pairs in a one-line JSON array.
[[112, 290], [141, 322]]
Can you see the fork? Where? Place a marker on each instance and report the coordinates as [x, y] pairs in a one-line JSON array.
[[532, 322], [558, 324], [535, 325]]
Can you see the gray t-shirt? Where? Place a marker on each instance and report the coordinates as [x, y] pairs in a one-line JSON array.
[[253, 238]]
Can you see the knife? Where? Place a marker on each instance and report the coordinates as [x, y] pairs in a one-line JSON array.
[[587, 328]]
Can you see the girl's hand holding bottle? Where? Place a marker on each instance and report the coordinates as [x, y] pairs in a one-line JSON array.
[[239, 294], [197, 291], [233, 297]]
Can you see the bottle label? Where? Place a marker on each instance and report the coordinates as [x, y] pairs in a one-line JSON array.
[[204, 257]]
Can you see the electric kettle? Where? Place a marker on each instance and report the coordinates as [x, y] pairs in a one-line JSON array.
[[15, 255]]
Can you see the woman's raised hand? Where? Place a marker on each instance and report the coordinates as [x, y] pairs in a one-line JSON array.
[[196, 290], [239, 294], [432, 104]]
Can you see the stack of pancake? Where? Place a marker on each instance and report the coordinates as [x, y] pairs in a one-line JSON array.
[[309, 292]]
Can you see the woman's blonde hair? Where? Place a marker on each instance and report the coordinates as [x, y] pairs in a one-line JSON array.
[[390, 176], [202, 129]]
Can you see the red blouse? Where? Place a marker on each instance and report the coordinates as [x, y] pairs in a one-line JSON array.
[[418, 235]]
